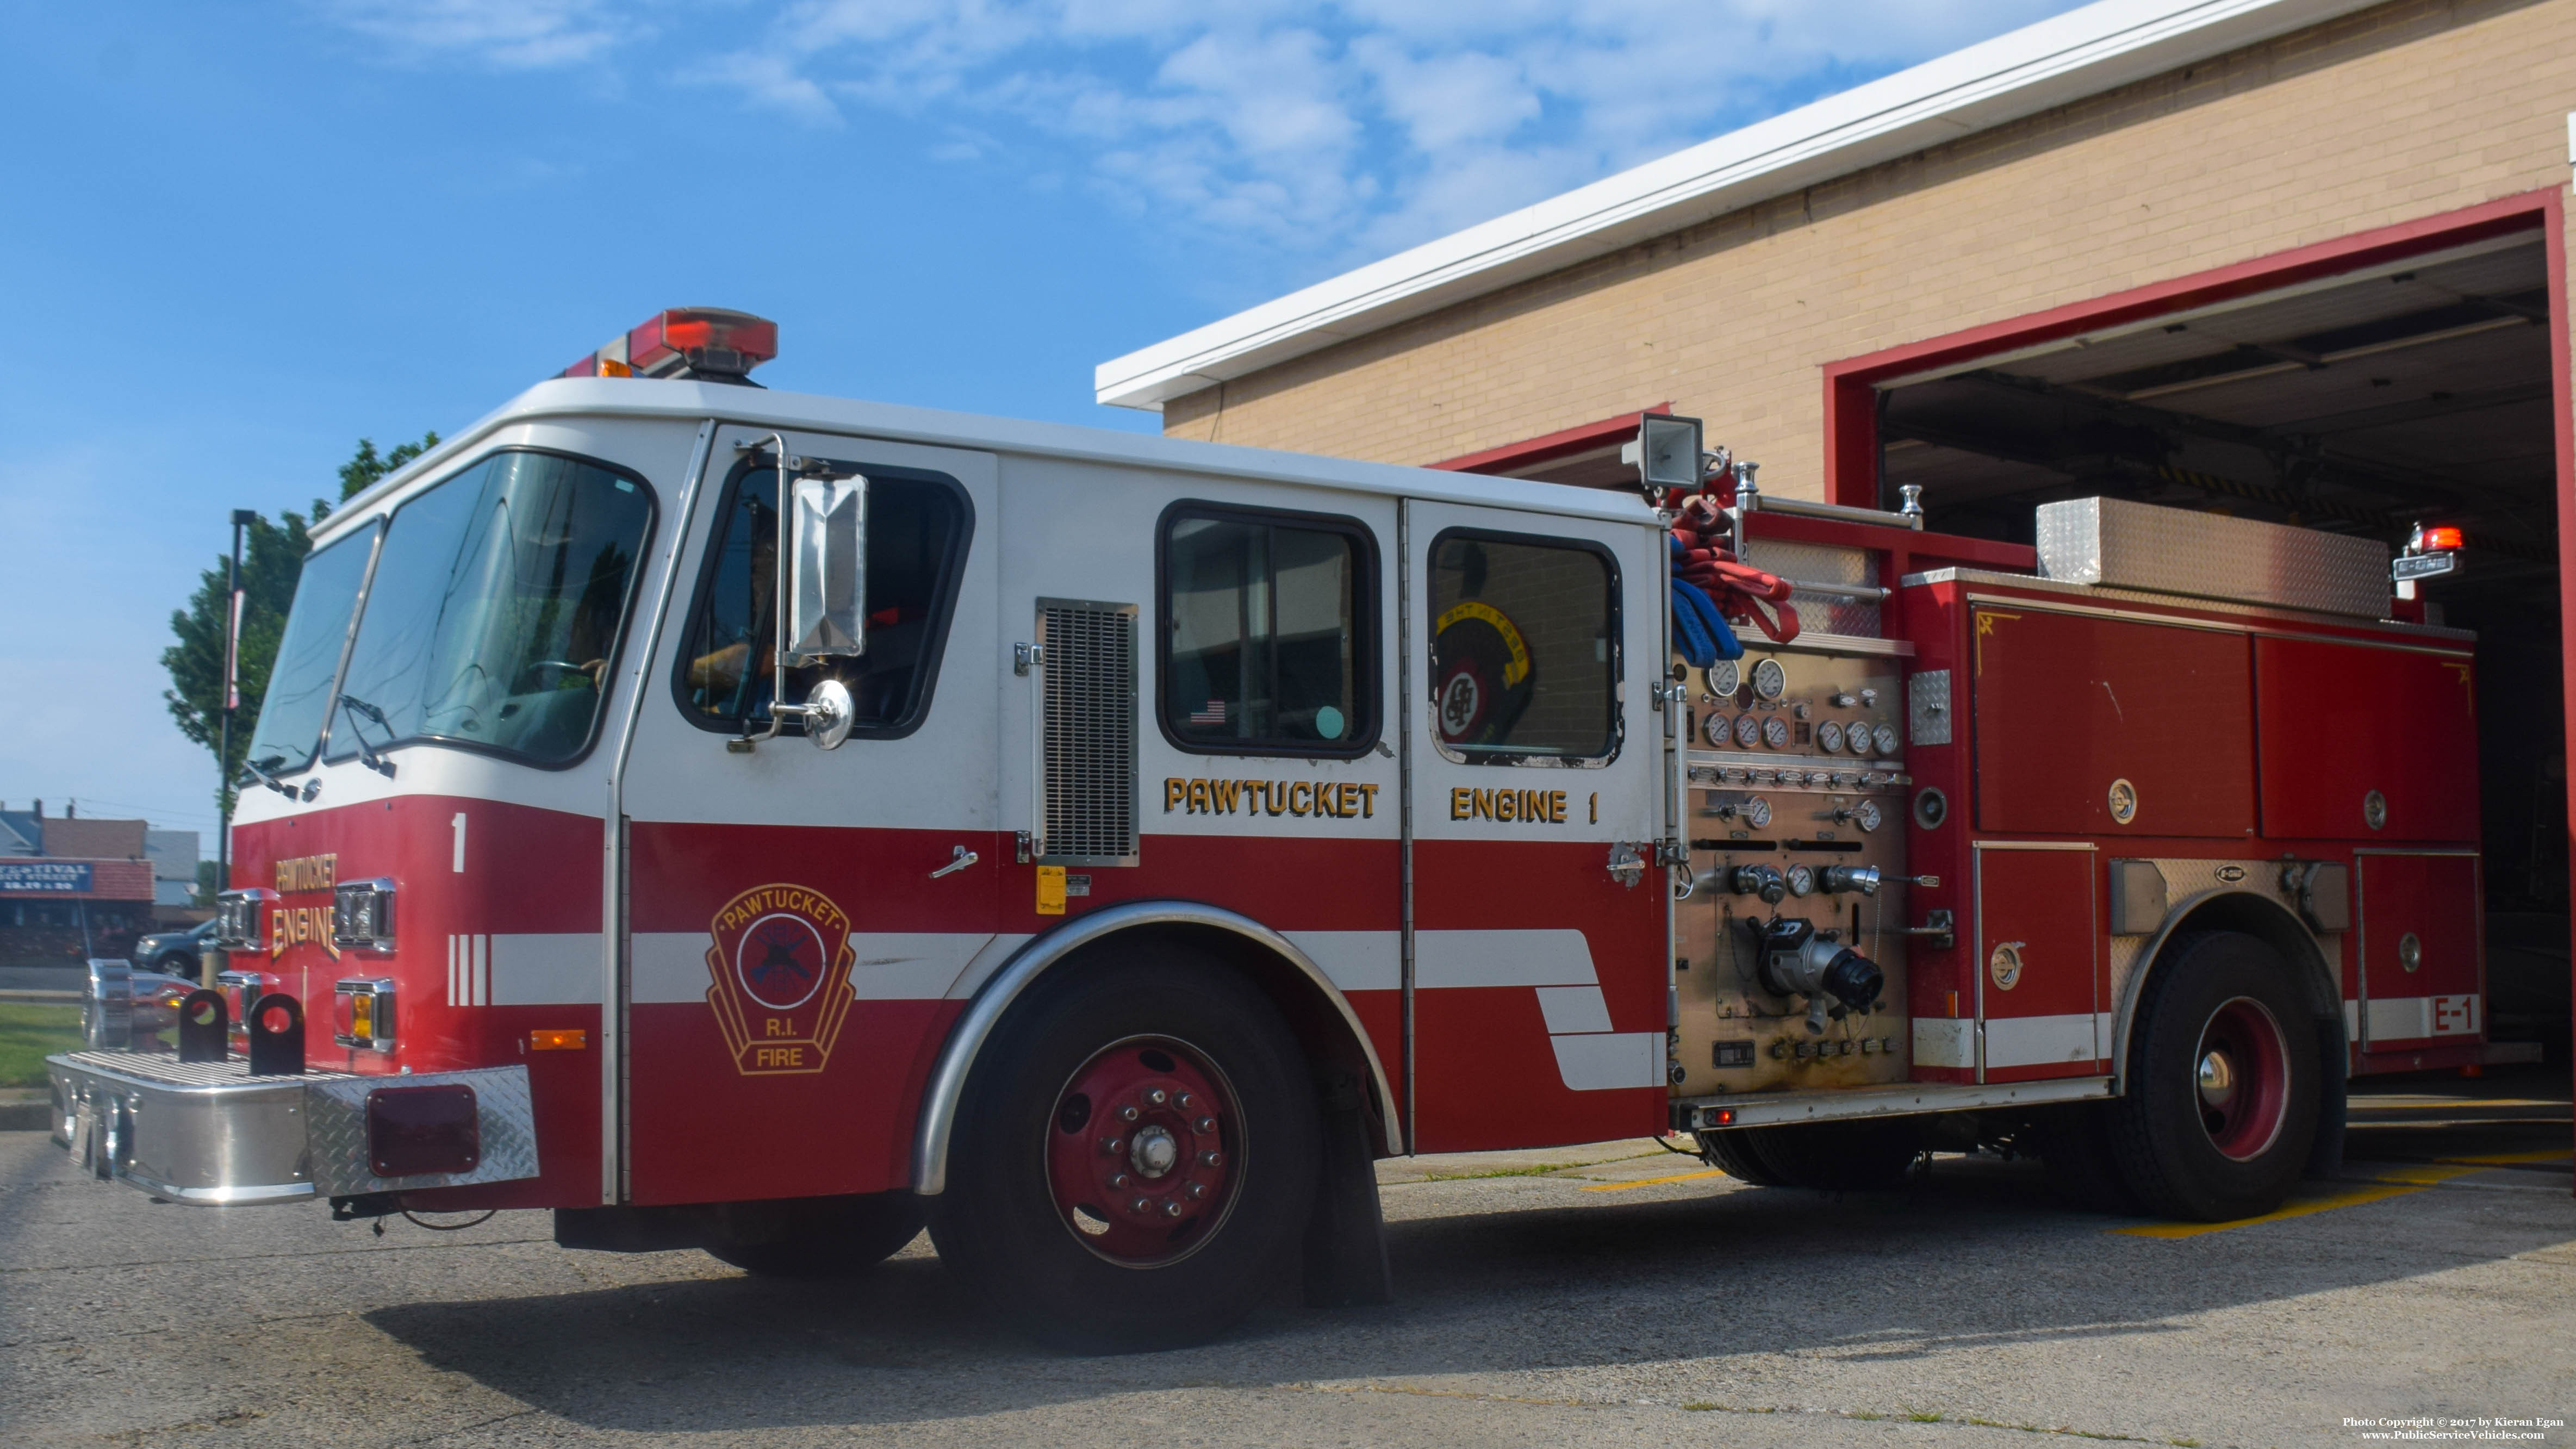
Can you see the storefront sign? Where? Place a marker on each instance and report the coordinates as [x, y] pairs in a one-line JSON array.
[[45, 877]]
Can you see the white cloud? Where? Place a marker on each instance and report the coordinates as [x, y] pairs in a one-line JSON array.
[[1317, 129], [510, 34]]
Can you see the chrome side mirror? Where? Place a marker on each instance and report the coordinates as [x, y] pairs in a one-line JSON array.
[[829, 713], [828, 596]]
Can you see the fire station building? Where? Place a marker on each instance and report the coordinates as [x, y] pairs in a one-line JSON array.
[[2298, 260]]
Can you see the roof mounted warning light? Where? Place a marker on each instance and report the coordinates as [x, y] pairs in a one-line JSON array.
[[687, 344]]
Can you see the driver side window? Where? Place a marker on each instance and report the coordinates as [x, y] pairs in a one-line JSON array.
[[918, 526]]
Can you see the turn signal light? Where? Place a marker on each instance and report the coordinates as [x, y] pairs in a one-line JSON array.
[[559, 1039]]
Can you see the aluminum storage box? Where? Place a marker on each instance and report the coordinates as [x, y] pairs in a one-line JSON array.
[[2118, 544]]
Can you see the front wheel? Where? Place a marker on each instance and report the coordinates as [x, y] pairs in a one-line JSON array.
[[1135, 1156], [2221, 1103]]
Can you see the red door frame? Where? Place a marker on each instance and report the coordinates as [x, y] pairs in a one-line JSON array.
[[1851, 416]]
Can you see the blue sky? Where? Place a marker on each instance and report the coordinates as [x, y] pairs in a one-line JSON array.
[[237, 238]]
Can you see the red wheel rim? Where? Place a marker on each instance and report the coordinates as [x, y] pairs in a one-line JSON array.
[[2242, 1077], [1142, 1151]]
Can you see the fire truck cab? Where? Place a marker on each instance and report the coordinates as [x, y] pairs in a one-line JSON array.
[[772, 824]]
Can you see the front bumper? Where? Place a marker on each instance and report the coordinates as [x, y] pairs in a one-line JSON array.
[[213, 1135]]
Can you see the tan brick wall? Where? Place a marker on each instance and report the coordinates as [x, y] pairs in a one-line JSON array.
[[2397, 113]]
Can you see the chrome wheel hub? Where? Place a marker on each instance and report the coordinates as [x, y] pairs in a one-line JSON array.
[[1155, 1152]]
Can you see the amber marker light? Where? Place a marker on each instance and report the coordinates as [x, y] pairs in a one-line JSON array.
[[558, 1039]]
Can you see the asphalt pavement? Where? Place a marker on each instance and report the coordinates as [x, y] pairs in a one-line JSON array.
[[1613, 1294]]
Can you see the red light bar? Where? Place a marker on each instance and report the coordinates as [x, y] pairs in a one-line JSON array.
[[2444, 539], [705, 344]]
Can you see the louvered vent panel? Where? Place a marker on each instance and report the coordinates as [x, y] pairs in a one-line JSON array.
[[1089, 731]]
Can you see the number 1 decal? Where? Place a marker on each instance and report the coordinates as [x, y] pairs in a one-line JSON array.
[[458, 825]]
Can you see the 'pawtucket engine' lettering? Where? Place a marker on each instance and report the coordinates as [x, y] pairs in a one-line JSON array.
[[1342, 801]]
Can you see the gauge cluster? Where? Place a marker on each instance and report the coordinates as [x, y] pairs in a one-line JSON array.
[[1797, 787]]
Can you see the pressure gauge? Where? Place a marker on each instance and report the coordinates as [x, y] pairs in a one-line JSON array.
[[1724, 678], [1829, 736], [1775, 732], [1886, 738], [1860, 739], [1802, 880], [1866, 815], [1716, 728], [1757, 811], [1770, 681], [1748, 731]]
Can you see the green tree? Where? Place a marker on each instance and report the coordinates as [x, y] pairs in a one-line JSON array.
[[272, 560]]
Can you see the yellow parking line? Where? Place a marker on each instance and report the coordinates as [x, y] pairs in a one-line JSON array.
[[1652, 1181], [2396, 1182], [2509, 1159]]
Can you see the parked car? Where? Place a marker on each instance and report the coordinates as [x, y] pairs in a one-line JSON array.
[[172, 953]]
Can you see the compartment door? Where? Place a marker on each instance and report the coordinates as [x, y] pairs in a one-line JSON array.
[[2340, 721], [1539, 972], [2039, 963], [2077, 714], [2422, 973]]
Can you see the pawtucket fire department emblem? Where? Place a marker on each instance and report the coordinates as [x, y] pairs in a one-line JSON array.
[[781, 963]]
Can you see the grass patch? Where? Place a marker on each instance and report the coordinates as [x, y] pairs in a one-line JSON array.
[[28, 1033], [1921, 1418]]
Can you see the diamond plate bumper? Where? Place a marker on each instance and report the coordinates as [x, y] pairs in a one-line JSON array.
[[213, 1135]]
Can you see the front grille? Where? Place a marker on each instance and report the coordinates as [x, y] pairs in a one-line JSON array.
[[1087, 734]]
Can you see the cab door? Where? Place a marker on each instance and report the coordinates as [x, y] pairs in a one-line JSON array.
[[1539, 918], [798, 917]]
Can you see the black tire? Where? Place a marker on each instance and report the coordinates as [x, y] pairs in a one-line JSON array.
[[999, 1224], [176, 963], [2217, 1154], [1865, 1156], [1727, 1152], [828, 1237]]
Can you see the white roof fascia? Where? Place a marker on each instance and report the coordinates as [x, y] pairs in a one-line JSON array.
[[643, 398], [2081, 53]]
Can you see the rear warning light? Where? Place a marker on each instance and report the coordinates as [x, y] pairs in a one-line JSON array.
[[560, 1039], [693, 344], [2441, 539]]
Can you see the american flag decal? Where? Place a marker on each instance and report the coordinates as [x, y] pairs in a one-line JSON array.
[[1213, 713]]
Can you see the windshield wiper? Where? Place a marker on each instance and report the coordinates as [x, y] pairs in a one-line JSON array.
[[359, 709], [265, 778]]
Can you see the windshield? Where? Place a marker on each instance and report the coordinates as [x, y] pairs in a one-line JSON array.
[[308, 655], [495, 610]]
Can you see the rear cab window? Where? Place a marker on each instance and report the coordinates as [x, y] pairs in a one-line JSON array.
[[1524, 649]]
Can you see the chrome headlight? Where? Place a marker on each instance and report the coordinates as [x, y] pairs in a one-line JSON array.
[[241, 919], [362, 915]]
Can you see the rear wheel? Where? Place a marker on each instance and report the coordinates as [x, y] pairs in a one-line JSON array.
[[830, 1237], [1728, 1153], [1135, 1157], [2221, 1103]]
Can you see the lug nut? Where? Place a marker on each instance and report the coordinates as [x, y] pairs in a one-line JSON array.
[[1211, 1159], [1172, 1209], [1120, 1180], [1140, 1207], [1197, 1190], [1127, 1114], [1112, 1146], [1183, 1101], [1157, 1097], [1204, 1124]]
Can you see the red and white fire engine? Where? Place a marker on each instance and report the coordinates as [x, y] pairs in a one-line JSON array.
[[770, 824]]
